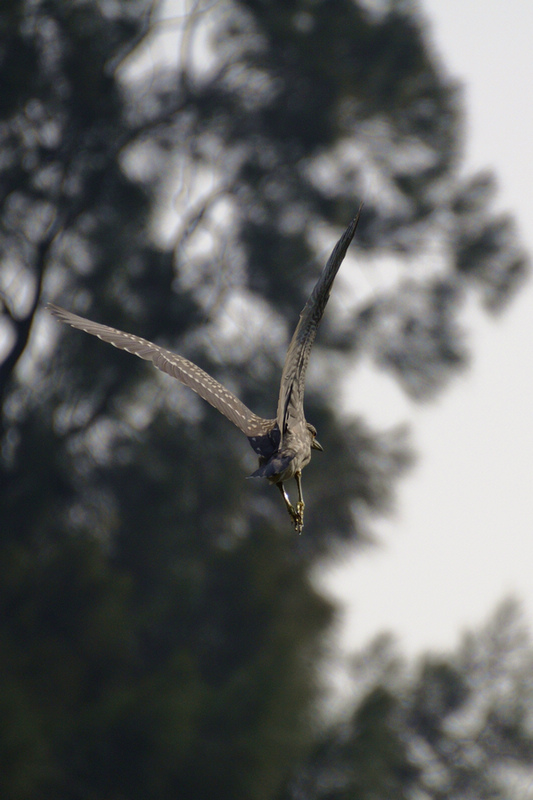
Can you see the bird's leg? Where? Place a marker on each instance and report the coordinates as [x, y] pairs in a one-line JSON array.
[[296, 520], [300, 505]]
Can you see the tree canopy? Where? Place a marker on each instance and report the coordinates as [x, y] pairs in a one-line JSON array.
[[160, 633]]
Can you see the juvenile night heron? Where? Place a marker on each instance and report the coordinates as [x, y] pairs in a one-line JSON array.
[[283, 444]]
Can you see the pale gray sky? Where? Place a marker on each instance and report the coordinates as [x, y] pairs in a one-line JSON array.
[[462, 536]]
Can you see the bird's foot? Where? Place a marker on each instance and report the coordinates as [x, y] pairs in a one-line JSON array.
[[292, 513], [297, 516]]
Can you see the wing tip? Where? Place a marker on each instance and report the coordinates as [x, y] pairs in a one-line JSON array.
[[352, 227], [59, 313]]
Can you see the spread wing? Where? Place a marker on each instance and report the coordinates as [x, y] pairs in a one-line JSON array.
[[178, 367], [291, 392]]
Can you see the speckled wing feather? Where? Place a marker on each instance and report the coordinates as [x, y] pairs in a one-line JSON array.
[[178, 367], [291, 392]]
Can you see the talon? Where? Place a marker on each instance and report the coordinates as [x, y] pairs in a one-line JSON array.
[[296, 514], [293, 513], [300, 505], [298, 524], [296, 518]]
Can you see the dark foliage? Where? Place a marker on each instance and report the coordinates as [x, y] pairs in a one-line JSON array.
[[159, 632]]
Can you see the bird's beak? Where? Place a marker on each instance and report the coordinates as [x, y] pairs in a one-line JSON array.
[[317, 446]]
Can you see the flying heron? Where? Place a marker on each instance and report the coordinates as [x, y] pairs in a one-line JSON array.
[[283, 444]]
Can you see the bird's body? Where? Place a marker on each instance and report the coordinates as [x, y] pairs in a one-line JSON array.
[[282, 462], [283, 444]]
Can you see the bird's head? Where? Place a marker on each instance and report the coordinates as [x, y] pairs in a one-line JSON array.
[[315, 444]]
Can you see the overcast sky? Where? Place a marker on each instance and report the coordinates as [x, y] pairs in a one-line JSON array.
[[462, 536]]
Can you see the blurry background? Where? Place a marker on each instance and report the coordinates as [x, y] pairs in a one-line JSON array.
[[181, 171], [464, 512]]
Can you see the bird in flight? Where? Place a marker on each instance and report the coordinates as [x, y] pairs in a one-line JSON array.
[[283, 444]]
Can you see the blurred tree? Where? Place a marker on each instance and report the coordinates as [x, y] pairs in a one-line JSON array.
[[160, 633], [457, 727]]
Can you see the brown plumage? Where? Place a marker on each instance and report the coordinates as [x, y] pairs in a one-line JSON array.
[[283, 444]]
